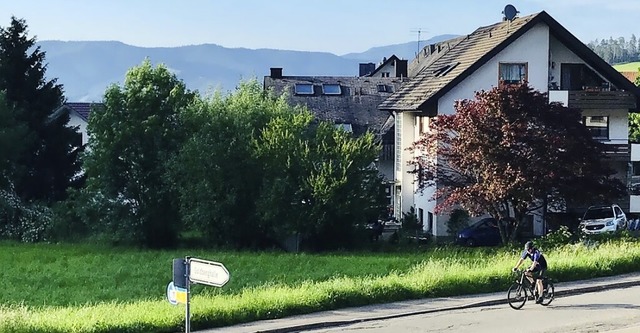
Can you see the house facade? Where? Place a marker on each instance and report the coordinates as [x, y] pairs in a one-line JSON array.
[[533, 48], [78, 117], [350, 102]]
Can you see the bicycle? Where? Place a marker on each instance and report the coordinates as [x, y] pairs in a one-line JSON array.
[[522, 289]]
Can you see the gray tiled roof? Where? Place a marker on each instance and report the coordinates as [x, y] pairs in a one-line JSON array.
[[356, 105], [461, 52], [82, 109], [431, 78]]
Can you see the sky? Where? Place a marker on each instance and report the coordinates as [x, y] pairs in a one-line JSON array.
[[335, 26]]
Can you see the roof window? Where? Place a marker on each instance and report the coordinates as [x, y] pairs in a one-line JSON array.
[[304, 89], [444, 70], [331, 89]]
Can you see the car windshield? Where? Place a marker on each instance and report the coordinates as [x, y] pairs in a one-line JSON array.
[[598, 213], [485, 223]]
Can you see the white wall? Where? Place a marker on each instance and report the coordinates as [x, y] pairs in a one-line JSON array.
[[405, 124], [388, 68], [75, 120], [618, 124], [531, 48]]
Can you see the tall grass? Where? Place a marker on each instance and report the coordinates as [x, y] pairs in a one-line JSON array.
[[62, 288]]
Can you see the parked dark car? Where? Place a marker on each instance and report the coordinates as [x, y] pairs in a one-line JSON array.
[[482, 233]]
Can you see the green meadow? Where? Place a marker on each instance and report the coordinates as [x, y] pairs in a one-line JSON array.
[[628, 67], [88, 288]]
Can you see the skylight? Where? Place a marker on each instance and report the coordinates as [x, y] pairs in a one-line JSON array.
[[331, 89], [442, 71], [304, 89]]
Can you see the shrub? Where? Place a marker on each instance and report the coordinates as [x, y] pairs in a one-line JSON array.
[[458, 220], [27, 223], [556, 239]]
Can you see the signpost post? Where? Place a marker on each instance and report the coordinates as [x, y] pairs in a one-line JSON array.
[[191, 270]]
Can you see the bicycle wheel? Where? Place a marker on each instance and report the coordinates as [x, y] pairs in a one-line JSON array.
[[548, 294], [517, 296]]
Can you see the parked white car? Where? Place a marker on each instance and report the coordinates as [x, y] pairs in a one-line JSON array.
[[601, 219]]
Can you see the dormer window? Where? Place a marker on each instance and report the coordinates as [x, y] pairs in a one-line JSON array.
[[331, 89], [512, 73], [304, 89], [384, 88]]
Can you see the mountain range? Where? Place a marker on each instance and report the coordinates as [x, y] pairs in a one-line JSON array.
[[87, 68]]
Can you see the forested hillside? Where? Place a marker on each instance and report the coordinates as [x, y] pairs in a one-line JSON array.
[[616, 51]]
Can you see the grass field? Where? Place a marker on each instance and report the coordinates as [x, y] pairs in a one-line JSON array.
[[628, 67], [83, 288]]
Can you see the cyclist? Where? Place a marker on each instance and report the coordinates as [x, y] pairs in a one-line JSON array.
[[538, 266]]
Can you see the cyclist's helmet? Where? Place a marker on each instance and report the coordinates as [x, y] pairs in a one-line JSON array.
[[528, 245]]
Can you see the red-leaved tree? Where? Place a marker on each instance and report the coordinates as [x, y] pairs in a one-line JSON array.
[[509, 152]]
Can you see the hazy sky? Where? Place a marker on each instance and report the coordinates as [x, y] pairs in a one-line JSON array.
[[336, 26]]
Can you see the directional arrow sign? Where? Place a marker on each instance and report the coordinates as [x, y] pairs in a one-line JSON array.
[[207, 272]]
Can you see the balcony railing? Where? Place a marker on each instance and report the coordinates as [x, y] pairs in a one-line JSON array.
[[601, 100], [591, 99], [617, 150]]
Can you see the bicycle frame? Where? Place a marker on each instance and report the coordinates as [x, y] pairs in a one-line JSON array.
[[524, 281], [522, 289]]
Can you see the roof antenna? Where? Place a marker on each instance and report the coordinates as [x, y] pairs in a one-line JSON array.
[[418, 30]]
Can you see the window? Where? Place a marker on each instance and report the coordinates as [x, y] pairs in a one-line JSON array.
[[512, 73], [430, 221], [442, 71], [304, 89], [423, 124], [345, 127], [385, 74], [384, 88], [598, 126], [331, 89], [580, 77]]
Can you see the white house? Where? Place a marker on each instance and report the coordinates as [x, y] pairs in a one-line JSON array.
[[535, 48], [78, 116]]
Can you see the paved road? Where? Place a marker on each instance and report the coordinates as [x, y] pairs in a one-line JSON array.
[[614, 310], [380, 312]]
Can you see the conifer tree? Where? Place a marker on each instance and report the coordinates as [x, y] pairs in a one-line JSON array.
[[49, 161]]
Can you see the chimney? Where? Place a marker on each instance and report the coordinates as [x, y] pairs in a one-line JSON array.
[[401, 68], [366, 69], [276, 72]]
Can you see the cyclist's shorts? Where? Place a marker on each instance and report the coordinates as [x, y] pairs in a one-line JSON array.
[[539, 270]]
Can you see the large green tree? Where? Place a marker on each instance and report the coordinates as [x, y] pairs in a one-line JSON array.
[[49, 163], [132, 140], [257, 171], [12, 134], [216, 173], [509, 152]]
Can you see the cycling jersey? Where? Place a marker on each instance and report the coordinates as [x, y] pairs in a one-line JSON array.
[[536, 255]]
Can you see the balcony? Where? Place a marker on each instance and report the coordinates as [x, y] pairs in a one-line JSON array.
[[618, 152], [593, 99]]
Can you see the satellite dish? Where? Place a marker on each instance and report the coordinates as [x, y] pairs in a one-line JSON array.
[[510, 12]]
